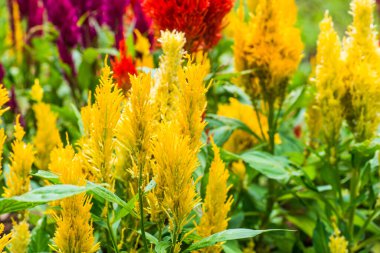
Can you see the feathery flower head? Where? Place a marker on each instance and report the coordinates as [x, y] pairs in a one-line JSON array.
[[361, 79], [20, 237], [17, 38], [60, 159], [175, 162], [337, 243], [329, 83], [22, 158], [269, 45], [217, 204], [123, 68], [5, 239], [99, 121], [200, 20], [47, 136], [74, 231], [37, 92], [142, 47]]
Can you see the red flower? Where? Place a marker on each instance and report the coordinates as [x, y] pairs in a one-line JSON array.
[[123, 68], [200, 20]]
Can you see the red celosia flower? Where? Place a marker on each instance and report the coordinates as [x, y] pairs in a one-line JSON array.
[[123, 67], [200, 20]]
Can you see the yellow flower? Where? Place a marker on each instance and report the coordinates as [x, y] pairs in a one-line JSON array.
[[22, 158], [61, 158], [18, 40], [238, 168], [175, 162], [74, 231], [5, 239], [362, 76], [20, 237], [241, 140], [167, 75], [3, 99], [47, 135], [99, 121], [3, 137], [329, 83], [192, 99], [338, 244], [314, 120], [269, 46], [143, 48], [134, 133], [37, 92], [217, 204]]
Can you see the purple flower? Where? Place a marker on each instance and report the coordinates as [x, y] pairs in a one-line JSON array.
[[143, 23], [32, 10], [2, 73], [113, 17]]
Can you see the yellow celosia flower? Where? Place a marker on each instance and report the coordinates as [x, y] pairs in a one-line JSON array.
[[217, 204], [22, 158], [238, 168], [338, 244], [314, 121], [20, 237], [192, 99], [175, 162], [37, 92], [167, 75], [3, 99], [74, 231], [5, 239], [241, 140], [99, 121], [250, 247], [18, 40], [61, 158], [142, 46], [361, 79], [3, 137], [269, 46], [329, 84], [47, 136]]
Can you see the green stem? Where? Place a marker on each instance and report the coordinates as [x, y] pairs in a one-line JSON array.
[[112, 236], [174, 238], [142, 227], [353, 194]]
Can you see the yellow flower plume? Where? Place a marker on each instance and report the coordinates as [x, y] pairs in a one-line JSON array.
[[4, 98], [37, 92], [217, 203], [20, 237], [337, 243], [5, 239], [22, 158]]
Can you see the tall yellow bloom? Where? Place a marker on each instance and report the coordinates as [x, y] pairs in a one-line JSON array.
[[22, 158], [167, 75], [47, 136], [5, 239], [99, 122], [143, 48], [362, 75], [18, 40], [269, 46], [217, 203], [192, 99], [20, 237], [175, 162], [328, 81], [74, 231], [4, 98], [37, 92]]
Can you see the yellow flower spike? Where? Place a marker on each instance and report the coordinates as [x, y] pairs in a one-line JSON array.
[[47, 136], [20, 237], [329, 83], [5, 239], [269, 46], [167, 74], [175, 162], [217, 203], [37, 92], [74, 231], [4, 98], [361, 76], [22, 158], [143, 47], [18, 42], [99, 121], [337, 243], [238, 168], [192, 99], [3, 137]]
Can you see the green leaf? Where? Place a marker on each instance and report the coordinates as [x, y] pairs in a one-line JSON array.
[[162, 246], [273, 167], [47, 175], [40, 239], [127, 209], [227, 235], [100, 192], [90, 55]]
